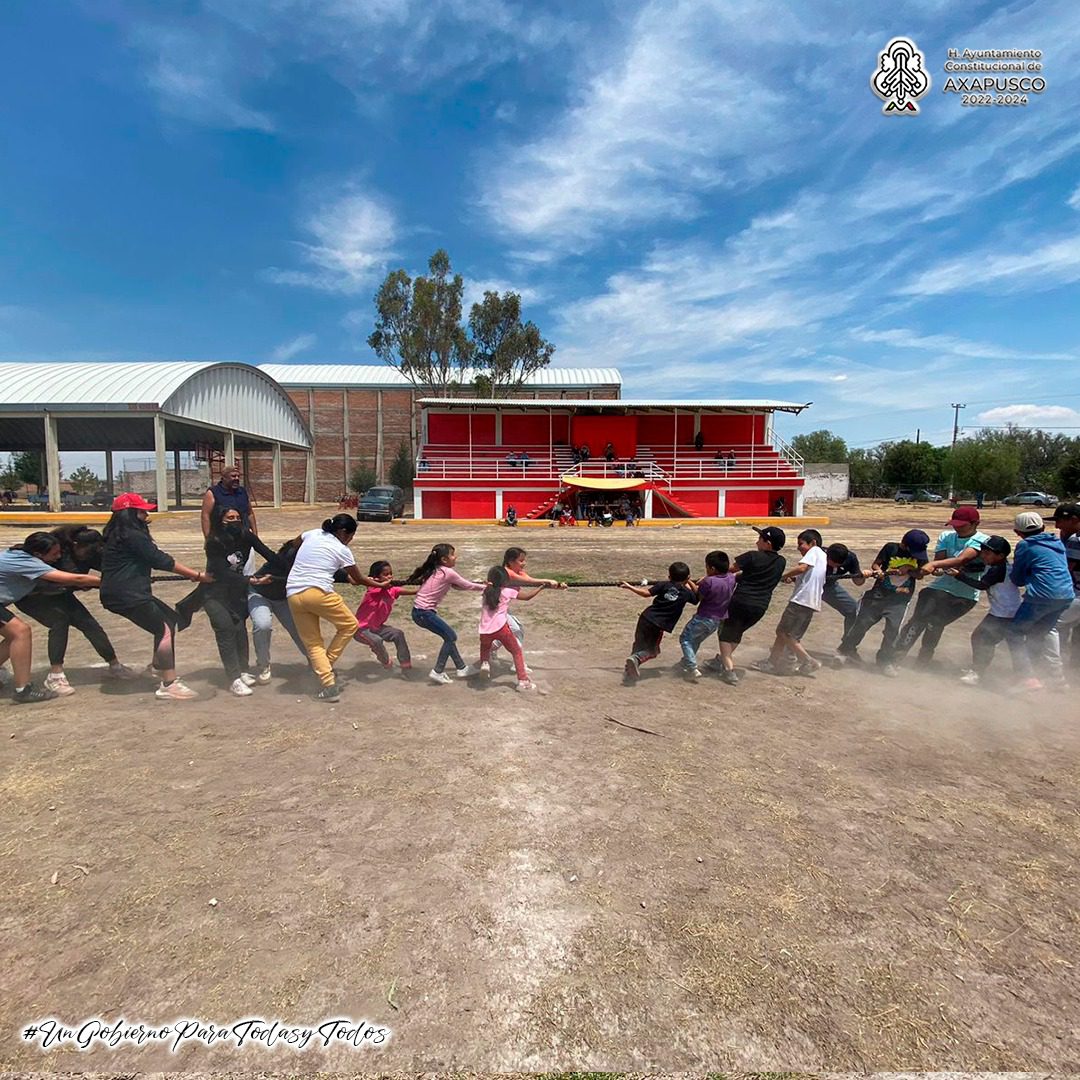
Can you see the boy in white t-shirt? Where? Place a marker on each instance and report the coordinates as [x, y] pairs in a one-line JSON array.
[[805, 600]]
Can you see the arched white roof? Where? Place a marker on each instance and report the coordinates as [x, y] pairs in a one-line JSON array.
[[382, 375], [230, 396]]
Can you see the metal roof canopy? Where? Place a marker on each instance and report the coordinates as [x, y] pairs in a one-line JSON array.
[[112, 406], [343, 376], [587, 406]]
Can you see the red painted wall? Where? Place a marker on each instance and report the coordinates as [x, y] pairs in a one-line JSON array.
[[597, 431], [528, 429], [702, 503], [656, 429], [454, 428], [732, 428], [472, 504], [436, 504], [745, 503]]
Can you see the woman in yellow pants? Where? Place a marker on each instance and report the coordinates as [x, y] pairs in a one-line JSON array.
[[310, 591]]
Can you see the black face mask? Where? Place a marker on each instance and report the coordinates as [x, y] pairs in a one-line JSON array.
[[234, 528]]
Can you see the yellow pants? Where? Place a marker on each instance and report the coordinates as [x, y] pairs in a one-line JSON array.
[[307, 608]]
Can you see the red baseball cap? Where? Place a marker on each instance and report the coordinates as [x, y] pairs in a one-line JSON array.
[[965, 515], [130, 501]]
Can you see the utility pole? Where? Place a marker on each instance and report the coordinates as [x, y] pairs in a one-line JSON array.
[[956, 407]]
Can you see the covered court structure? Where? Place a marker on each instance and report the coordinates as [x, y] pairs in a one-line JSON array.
[[164, 408]]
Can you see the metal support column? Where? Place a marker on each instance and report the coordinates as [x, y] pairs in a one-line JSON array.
[[346, 448], [309, 478], [178, 478], [109, 472], [230, 450], [380, 453], [52, 462], [277, 475], [161, 473]]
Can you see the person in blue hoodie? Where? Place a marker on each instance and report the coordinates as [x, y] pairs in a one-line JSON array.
[[1040, 568]]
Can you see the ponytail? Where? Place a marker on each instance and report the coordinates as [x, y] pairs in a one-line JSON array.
[[340, 523], [430, 564], [498, 579]]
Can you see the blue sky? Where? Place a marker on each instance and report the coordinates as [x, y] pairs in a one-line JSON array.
[[705, 195]]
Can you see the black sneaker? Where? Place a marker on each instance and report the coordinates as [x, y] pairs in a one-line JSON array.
[[329, 693], [31, 694]]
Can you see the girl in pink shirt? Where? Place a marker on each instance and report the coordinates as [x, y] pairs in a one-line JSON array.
[[371, 626], [495, 624], [436, 576]]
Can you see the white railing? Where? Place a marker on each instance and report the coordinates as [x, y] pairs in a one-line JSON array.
[[744, 461], [785, 449], [466, 468], [618, 470]]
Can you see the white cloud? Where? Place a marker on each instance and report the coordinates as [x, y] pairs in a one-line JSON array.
[[353, 236], [946, 344], [1046, 266], [195, 77], [288, 349], [1074, 198], [680, 113], [1044, 416]]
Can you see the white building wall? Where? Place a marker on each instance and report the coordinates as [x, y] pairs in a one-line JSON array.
[[826, 483]]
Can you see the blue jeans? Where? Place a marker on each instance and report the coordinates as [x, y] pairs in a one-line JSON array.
[[842, 601], [262, 612], [1028, 630], [693, 634], [430, 621]]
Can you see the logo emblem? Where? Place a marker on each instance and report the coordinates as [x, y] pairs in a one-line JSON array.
[[901, 77]]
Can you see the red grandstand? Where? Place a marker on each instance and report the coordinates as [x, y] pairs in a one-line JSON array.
[[700, 459]]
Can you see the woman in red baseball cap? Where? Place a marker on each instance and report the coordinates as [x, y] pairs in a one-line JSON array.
[[129, 557]]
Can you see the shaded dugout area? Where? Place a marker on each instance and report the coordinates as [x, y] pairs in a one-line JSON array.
[[160, 408]]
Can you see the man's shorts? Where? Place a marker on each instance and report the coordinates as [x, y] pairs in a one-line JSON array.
[[6, 615], [738, 621], [795, 621]]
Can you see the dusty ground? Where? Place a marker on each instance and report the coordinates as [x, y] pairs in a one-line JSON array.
[[840, 873]]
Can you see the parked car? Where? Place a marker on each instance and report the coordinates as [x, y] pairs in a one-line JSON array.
[[916, 495], [383, 503], [1030, 498], [101, 499]]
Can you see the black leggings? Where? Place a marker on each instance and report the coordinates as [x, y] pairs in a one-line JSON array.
[[59, 612], [158, 619], [230, 629]]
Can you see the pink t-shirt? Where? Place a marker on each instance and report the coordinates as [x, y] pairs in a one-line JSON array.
[[491, 622], [439, 584], [375, 608]]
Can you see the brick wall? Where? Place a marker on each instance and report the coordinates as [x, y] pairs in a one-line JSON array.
[[336, 456]]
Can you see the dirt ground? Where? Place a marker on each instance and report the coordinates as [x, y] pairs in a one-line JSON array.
[[839, 873]]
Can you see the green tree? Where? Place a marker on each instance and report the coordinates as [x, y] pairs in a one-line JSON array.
[[864, 468], [908, 462], [9, 476], [504, 351], [987, 463], [418, 326], [820, 446], [362, 478], [401, 468], [28, 466], [83, 481], [1069, 474]]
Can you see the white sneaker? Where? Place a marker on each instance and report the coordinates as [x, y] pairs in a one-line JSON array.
[[525, 685], [248, 678], [121, 671], [241, 688], [765, 665], [468, 671], [264, 676], [439, 677], [176, 691], [58, 683], [485, 669], [890, 671], [970, 678]]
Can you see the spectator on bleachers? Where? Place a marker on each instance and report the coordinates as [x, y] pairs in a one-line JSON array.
[[586, 453], [424, 464], [699, 441], [575, 454], [609, 452], [732, 460]]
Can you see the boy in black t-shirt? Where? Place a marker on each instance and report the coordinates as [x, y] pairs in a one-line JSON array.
[[895, 571], [759, 572], [669, 599]]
